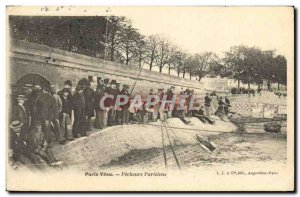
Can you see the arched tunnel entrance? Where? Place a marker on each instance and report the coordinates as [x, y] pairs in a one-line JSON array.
[[34, 79]]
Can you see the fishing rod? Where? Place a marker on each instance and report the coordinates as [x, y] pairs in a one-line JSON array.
[[136, 81]]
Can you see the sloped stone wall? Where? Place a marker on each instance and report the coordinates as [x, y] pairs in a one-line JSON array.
[[58, 65]]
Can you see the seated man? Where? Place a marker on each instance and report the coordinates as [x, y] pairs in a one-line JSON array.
[[39, 145], [19, 152], [200, 115]]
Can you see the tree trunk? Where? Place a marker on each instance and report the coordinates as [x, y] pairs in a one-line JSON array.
[[160, 69], [190, 77], [199, 79], [238, 85], [278, 86], [183, 74], [169, 70], [150, 66]]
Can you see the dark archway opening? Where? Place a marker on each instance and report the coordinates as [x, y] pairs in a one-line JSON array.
[[34, 79]]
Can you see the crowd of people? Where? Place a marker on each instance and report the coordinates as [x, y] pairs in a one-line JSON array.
[[39, 111]]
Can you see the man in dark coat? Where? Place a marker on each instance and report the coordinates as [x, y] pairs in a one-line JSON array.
[[65, 119], [40, 147], [22, 114], [89, 104], [45, 108], [100, 113], [111, 90], [201, 115], [19, 152], [78, 103], [125, 111], [207, 101]]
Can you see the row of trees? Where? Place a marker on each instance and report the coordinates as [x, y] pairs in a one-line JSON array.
[[114, 38], [249, 65]]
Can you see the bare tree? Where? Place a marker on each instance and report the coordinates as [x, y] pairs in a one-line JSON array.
[[128, 42], [151, 46], [113, 37], [162, 52], [141, 49]]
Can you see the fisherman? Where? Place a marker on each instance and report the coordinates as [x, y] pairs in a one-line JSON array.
[[88, 93], [65, 119], [151, 108], [207, 101], [118, 110], [100, 113], [19, 152], [39, 145], [125, 111], [220, 111], [200, 114], [57, 113], [45, 111], [22, 114], [78, 101], [111, 90], [227, 105]]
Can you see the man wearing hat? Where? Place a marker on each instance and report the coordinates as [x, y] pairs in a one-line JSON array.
[[57, 113], [65, 119], [22, 114], [112, 90], [125, 111], [207, 101], [88, 93], [19, 151], [45, 106], [100, 113], [170, 94], [78, 101], [39, 145]]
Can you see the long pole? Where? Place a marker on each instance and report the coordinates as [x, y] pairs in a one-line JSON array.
[[136, 81]]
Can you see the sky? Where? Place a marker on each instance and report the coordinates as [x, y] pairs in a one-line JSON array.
[[198, 29]]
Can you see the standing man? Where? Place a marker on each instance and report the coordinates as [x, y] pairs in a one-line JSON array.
[[111, 90], [22, 114], [89, 104], [66, 124], [151, 108], [45, 110], [125, 111], [100, 113], [57, 114], [170, 94], [207, 101], [78, 102]]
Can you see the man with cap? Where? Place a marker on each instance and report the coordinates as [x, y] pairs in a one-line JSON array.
[[65, 119], [22, 114], [220, 111], [39, 145], [78, 102], [19, 151], [151, 107], [111, 90], [88, 93], [125, 111], [45, 108]]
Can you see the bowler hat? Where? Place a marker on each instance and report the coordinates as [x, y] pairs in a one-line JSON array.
[[106, 81], [125, 86], [21, 97], [113, 82], [28, 85], [16, 124], [38, 123], [68, 82]]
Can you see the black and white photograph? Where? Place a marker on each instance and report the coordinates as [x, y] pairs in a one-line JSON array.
[[150, 98]]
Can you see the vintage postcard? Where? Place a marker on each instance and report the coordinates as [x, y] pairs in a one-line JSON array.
[[150, 98]]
